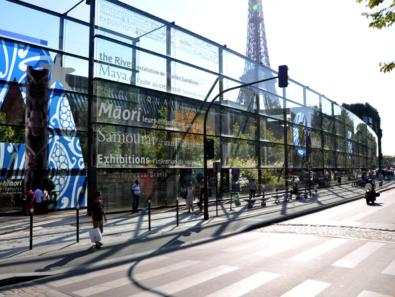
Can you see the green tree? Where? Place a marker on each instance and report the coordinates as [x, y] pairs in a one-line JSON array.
[[381, 16]]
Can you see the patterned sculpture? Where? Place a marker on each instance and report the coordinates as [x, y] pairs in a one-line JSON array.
[[36, 135]]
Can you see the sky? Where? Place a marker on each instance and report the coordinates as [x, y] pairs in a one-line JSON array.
[[327, 45]]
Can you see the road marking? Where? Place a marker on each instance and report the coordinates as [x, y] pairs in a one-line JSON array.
[[357, 256], [165, 269], [113, 284], [255, 243], [319, 250], [189, 281], [371, 294], [308, 288], [390, 269], [103, 272], [246, 285], [287, 244]]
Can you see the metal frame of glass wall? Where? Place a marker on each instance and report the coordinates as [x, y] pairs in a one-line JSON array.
[[151, 84]]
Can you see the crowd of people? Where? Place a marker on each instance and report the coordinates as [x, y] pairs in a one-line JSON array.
[[37, 201]]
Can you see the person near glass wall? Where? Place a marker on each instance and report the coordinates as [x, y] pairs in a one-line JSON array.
[[98, 215], [189, 199], [135, 196]]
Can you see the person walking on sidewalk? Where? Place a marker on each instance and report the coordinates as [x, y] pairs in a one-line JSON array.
[[97, 211], [135, 196], [252, 187], [29, 202], [189, 199], [38, 200]]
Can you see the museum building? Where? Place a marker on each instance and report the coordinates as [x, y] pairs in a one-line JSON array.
[[121, 96]]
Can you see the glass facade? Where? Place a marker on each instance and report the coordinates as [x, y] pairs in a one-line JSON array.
[[152, 83]]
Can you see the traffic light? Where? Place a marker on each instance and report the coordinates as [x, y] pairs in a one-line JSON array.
[[283, 76], [209, 148], [88, 2]]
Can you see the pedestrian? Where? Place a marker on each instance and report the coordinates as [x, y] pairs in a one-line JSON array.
[[252, 187], [189, 198], [135, 196], [200, 193], [38, 199], [98, 215], [29, 202], [45, 201]]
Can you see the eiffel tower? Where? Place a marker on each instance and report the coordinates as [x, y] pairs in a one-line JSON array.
[[257, 51]]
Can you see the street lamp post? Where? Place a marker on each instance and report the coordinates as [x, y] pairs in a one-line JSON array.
[[283, 82]]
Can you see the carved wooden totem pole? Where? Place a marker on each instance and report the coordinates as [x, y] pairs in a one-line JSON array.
[[36, 132]]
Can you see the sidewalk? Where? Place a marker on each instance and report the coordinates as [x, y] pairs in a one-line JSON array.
[[127, 236]]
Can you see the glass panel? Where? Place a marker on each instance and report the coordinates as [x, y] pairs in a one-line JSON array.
[[272, 155], [239, 153], [238, 124], [160, 185], [329, 159], [191, 82], [188, 48], [326, 106], [336, 110], [115, 62], [272, 179], [233, 65], [272, 130], [301, 115], [327, 124], [298, 136], [315, 138], [271, 105], [316, 158], [242, 99], [294, 92], [126, 147], [40, 28], [329, 142], [295, 159], [79, 108], [312, 99], [340, 160], [130, 27], [341, 144], [123, 105], [126, 65], [76, 39], [339, 128], [78, 77]]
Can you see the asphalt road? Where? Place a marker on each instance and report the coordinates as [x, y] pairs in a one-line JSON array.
[[345, 251]]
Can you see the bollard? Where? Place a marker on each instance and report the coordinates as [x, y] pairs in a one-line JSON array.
[[149, 215], [31, 228], [263, 202], [216, 207], [276, 200], [77, 214], [177, 212]]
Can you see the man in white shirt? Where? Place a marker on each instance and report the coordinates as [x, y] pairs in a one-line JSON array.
[[38, 199], [136, 196]]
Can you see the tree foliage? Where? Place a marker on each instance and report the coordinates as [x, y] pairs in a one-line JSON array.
[[382, 15]]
